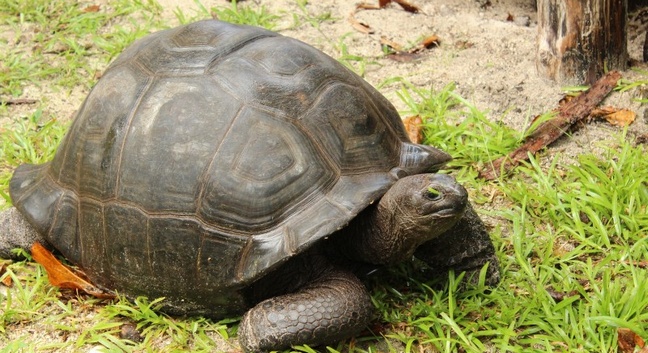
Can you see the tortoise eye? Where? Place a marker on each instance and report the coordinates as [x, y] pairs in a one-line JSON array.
[[432, 194]]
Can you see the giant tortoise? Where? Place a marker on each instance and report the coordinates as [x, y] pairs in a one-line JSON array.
[[233, 170]]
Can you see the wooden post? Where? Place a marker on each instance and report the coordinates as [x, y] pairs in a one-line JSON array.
[[578, 39]]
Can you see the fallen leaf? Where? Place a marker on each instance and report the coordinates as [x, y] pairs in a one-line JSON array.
[[361, 27], [614, 116], [430, 41], [61, 276], [426, 43], [407, 6], [92, 8], [623, 117], [560, 296], [602, 111], [384, 41], [628, 340], [365, 6], [565, 99], [413, 126], [382, 3], [407, 56]]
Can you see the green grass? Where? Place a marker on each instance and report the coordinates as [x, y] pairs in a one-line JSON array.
[[571, 236], [68, 36], [234, 13], [596, 205]]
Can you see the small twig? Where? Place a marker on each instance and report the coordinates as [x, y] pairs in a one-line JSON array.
[[17, 101], [570, 113]]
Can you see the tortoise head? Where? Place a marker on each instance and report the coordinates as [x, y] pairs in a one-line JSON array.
[[419, 208]]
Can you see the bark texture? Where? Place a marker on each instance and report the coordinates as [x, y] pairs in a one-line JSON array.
[[579, 40]]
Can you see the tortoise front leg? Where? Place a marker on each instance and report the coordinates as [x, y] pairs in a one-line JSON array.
[[331, 308], [466, 247]]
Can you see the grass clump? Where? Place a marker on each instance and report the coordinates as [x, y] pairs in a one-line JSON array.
[[69, 38], [600, 201], [456, 126], [31, 139], [572, 245]]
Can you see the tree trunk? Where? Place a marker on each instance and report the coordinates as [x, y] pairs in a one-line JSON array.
[[578, 40]]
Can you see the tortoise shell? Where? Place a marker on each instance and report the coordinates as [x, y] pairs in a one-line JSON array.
[[207, 155]]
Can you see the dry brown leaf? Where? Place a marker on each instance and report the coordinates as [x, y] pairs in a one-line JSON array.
[[413, 126], [565, 99], [412, 54], [602, 112], [628, 340], [61, 276], [614, 116], [429, 42], [382, 3], [361, 27], [407, 6], [623, 117], [560, 296], [92, 8], [384, 41], [365, 6]]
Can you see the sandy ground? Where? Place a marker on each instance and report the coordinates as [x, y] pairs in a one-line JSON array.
[[491, 60]]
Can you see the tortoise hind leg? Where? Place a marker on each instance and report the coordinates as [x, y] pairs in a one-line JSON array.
[[16, 232], [334, 306]]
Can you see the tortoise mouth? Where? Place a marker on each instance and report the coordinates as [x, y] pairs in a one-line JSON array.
[[445, 209]]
